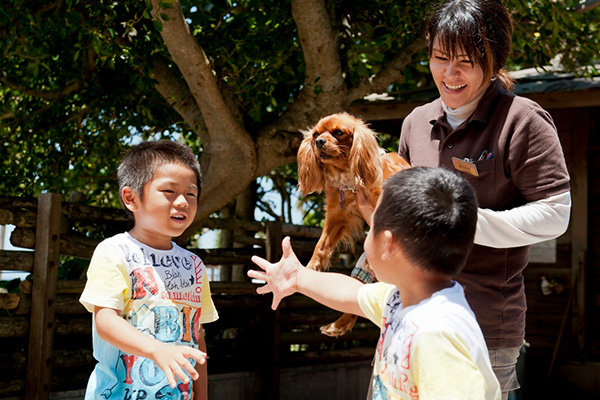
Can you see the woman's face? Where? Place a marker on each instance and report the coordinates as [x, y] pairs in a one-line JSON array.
[[458, 80]]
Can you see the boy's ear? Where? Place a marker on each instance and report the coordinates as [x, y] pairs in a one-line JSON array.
[[390, 245], [130, 198]]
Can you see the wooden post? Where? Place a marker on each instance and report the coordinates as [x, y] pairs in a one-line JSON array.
[[578, 170], [46, 263], [270, 382]]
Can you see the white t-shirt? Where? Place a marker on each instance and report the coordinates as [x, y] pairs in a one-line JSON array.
[[162, 293], [432, 350]]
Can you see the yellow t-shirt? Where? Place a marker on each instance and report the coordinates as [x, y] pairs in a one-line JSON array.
[[432, 350]]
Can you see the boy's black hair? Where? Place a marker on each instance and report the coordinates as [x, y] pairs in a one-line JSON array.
[[138, 164], [480, 28], [432, 214]]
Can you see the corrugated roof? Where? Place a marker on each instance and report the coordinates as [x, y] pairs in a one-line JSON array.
[[550, 87], [552, 79]]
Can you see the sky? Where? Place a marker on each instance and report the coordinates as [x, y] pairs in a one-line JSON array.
[[5, 232]]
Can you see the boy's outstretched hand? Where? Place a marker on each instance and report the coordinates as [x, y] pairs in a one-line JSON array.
[[281, 277]]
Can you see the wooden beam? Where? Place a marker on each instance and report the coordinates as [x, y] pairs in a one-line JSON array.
[[589, 5], [566, 99], [578, 169], [43, 304], [383, 110], [272, 366]]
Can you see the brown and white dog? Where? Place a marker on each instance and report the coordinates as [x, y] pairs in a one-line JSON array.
[[337, 156]]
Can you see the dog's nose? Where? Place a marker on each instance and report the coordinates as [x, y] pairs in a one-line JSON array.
[[320, 142]]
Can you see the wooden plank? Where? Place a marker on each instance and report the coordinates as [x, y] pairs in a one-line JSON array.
[[22, 218], [316, 337], [13, 202], [13, 327], [43, 304], [272, 371], [308, 232], [380, 111], [330, 356], [16, 260], [568, 98], [394, 110], [81, 212], [578, 169], [9, 301]]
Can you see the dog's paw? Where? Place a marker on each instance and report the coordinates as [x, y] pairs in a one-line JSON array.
[[316, 265], [333, 330]]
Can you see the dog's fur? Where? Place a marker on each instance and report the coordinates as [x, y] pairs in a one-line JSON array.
[[339, 154]]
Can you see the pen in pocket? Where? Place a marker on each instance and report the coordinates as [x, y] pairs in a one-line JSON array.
[[485, 155]]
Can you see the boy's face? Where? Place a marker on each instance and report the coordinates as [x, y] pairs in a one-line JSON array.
[[167, 207]]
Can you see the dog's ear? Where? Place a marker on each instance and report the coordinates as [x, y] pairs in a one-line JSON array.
[[310, 175], [365, 163]]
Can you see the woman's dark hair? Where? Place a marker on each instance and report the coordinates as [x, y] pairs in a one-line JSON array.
[[139, 163], [432, 214], [480, 28]]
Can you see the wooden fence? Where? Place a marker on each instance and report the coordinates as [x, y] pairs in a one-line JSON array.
[[45, 333]]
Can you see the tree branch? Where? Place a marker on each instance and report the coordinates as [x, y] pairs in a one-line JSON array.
[[197, 71], [588, 5], [394, 72], [177, 94], [318, 42], [278, 142], [44, 94], [229, 154]]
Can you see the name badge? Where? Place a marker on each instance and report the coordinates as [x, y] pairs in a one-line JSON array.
[[465, 166]]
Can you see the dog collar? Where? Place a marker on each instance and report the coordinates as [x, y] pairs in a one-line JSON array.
[[342, 189]]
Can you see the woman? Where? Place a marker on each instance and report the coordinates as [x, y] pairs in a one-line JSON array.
[[508, 148]]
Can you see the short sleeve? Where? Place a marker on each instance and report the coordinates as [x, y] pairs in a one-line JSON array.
[[536, 158], [108, 283], [403, 141], [372, 299], [443, 368], [209, 312]]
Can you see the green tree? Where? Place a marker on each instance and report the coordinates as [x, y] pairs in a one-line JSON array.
[[81, 80]]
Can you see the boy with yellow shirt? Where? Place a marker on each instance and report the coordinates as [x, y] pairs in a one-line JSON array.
[[430, 346]]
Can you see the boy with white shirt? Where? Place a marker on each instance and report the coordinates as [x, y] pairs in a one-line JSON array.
[[421, 233], [150, 297]]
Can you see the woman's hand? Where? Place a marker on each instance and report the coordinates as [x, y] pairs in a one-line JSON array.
[[365, 208]]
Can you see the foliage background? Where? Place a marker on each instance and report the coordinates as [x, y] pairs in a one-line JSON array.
[[79, 79]]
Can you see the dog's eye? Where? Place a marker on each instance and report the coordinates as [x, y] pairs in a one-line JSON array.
[[337, 132], [315, 134]]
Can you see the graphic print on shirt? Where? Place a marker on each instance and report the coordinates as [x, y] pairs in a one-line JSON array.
[[391, 378], [165, 304], [150, 375]]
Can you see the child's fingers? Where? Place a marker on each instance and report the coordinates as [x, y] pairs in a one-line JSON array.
[[170, 377], [286, 247], [178, 372], [189, 368], [197, 355], [252, 273], [261, 262], [275, 303], [264, 289], [260, 276]]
